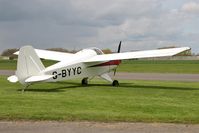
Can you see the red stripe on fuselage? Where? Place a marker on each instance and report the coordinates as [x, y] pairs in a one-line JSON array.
[[109, 63]]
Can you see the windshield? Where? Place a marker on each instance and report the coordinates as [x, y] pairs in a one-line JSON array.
[[98, 51]]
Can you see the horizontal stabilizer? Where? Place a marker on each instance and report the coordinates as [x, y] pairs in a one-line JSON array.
[[38, 78], [13, 79]]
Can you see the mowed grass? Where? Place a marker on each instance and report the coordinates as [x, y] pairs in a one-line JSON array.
[[133, 101], [138, 66], [160, 66]]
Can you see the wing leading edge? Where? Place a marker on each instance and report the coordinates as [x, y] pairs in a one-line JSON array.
[[138, 54]]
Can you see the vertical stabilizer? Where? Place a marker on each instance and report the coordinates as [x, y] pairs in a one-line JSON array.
[[28, 64]]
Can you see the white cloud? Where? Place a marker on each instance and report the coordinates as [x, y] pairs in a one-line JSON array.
[[141, 24], [191, 7]]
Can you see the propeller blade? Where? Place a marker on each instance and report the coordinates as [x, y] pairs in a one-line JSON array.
[[119, 47], [118, 51]]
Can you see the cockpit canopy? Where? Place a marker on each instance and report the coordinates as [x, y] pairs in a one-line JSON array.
[[98, 51]]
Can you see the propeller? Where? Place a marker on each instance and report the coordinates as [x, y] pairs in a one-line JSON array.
[[119, 47], [118, 51]]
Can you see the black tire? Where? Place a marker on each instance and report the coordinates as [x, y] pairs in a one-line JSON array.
[[85, 81], [115, 83]]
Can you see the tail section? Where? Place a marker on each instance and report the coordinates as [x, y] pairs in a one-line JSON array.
[[28, 65]]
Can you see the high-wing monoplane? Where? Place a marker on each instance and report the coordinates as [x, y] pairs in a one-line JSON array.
[[85, 64]]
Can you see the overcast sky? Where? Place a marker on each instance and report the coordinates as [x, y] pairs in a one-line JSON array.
[[77, 24]]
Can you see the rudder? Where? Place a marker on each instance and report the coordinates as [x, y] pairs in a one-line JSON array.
[[28, 64]]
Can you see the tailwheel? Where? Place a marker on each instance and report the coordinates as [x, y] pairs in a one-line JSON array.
[[115, 83], [25, 87], [85, 81]]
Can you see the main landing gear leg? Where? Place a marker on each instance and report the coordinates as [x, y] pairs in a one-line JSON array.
[[115, 83], [84, 81]]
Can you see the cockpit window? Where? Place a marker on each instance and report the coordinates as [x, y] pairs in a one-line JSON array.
[[98, 51]]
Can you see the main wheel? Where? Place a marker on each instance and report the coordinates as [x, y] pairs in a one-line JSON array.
[[115, 83], [85, 81]]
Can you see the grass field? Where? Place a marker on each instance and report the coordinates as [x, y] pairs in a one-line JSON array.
[[144, 66], [160, 66], [133, 101]]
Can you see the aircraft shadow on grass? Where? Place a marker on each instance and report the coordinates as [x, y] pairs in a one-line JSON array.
[[73, 85]]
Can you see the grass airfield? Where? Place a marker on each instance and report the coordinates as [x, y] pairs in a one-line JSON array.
[[160, 66], [133, 101]]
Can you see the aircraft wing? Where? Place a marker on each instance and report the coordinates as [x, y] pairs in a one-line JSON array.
[[51, 55], [138, 54]]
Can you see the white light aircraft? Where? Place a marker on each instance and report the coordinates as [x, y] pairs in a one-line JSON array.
[[85, 64]]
